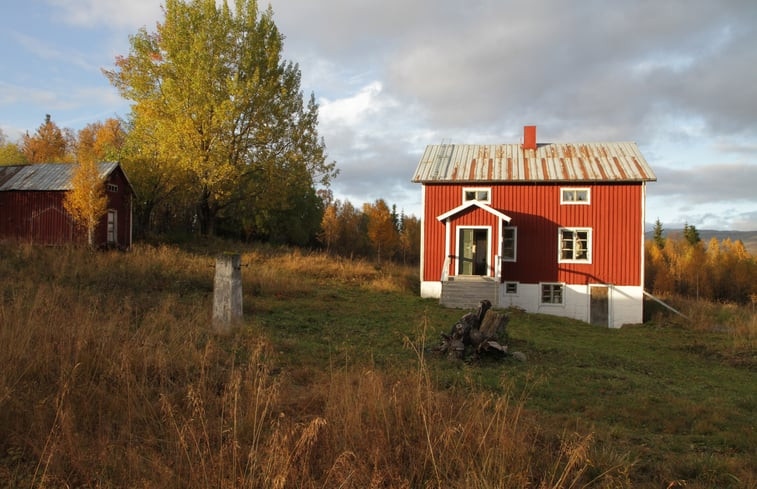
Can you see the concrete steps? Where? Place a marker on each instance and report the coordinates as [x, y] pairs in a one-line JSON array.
[[468, 292]]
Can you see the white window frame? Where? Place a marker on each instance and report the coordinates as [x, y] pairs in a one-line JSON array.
[[575, 191], [589, 246], [112, 187], [515, 243], [552, 285], [515, 284], [488, 191]]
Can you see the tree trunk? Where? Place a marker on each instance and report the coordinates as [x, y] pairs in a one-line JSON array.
[[206, 215], [494, 326]]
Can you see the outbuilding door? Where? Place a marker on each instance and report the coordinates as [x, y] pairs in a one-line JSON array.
[[473, 251], [112, 229]]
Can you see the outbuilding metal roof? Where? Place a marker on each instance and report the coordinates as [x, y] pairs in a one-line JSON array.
[[44, 176], [571, 162]]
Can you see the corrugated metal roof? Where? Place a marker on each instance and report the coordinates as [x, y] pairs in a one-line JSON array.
[[558, 162], [44, 176]]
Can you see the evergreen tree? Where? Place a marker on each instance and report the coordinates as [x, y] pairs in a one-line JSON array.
[[690, 234], [47, 145], [658, 238]]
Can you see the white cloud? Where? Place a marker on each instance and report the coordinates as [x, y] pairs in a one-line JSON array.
[[357, 108], [131, 14]]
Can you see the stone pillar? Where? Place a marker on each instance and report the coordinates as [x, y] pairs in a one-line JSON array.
[[227, 293]]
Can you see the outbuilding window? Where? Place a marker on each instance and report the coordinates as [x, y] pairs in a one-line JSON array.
[[574, 245], [112, 187]]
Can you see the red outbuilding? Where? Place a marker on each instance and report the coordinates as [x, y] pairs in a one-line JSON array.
[[31, 205], [554, 228]]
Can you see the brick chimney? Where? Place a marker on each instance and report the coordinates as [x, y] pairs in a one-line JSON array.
[[529, 137]]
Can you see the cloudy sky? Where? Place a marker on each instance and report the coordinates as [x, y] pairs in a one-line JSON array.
[[678, 77]]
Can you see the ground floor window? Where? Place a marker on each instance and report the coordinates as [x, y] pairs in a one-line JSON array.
[[509, 237], [511, 288], [552, 293], [575, 245]]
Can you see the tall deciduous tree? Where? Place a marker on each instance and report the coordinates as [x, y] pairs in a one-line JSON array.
[[223, 109], [101, 141], [381, 229], [47, 145], [10, 153], [86, 202]]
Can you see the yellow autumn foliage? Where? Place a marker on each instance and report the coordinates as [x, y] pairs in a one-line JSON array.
[[86, 202]]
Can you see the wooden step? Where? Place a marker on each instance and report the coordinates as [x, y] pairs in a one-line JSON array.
[[468, 293]]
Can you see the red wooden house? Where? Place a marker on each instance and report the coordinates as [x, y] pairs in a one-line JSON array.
[[31, 205], [550, 228]]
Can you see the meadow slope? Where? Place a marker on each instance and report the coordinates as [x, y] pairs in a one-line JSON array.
[[112, 378]]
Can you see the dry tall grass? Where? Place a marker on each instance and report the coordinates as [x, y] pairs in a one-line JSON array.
[[111, 378]]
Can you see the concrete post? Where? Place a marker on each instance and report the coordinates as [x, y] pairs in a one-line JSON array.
[[227, 293]]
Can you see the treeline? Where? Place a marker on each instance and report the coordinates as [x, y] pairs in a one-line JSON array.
[[718, 271], [375, 231]]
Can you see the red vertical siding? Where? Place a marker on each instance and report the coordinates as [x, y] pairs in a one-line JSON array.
[[614, 215], [35, 216]]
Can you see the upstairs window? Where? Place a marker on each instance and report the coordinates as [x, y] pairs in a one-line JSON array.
[[575, 245], [477, 194], [112, 187], [509, 243], [570, 196]]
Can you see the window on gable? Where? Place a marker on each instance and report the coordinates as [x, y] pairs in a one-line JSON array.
[[509, 243], [575, 245], [551, 293], [477, 194], [112, 187], [575, 196]]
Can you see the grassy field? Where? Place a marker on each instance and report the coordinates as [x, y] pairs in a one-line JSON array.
[[112, 378]]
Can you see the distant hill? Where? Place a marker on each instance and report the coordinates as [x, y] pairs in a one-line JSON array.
[[749, 238]]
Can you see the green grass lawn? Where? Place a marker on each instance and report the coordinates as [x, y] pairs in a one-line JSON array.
[[668, 399]]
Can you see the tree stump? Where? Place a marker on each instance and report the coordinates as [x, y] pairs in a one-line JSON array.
[[494, 326]]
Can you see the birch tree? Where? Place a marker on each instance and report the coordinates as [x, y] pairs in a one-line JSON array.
[[86, 202], [223, 107]]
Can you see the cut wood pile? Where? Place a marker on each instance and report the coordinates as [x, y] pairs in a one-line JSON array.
[[481, 332]]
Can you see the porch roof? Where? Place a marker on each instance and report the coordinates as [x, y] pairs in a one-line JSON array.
[[473, 203]]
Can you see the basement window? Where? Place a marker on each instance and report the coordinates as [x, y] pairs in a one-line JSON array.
[[112, 187], [572, 196], [511, 288], [552, 294], [574, 245], [477, 194]]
